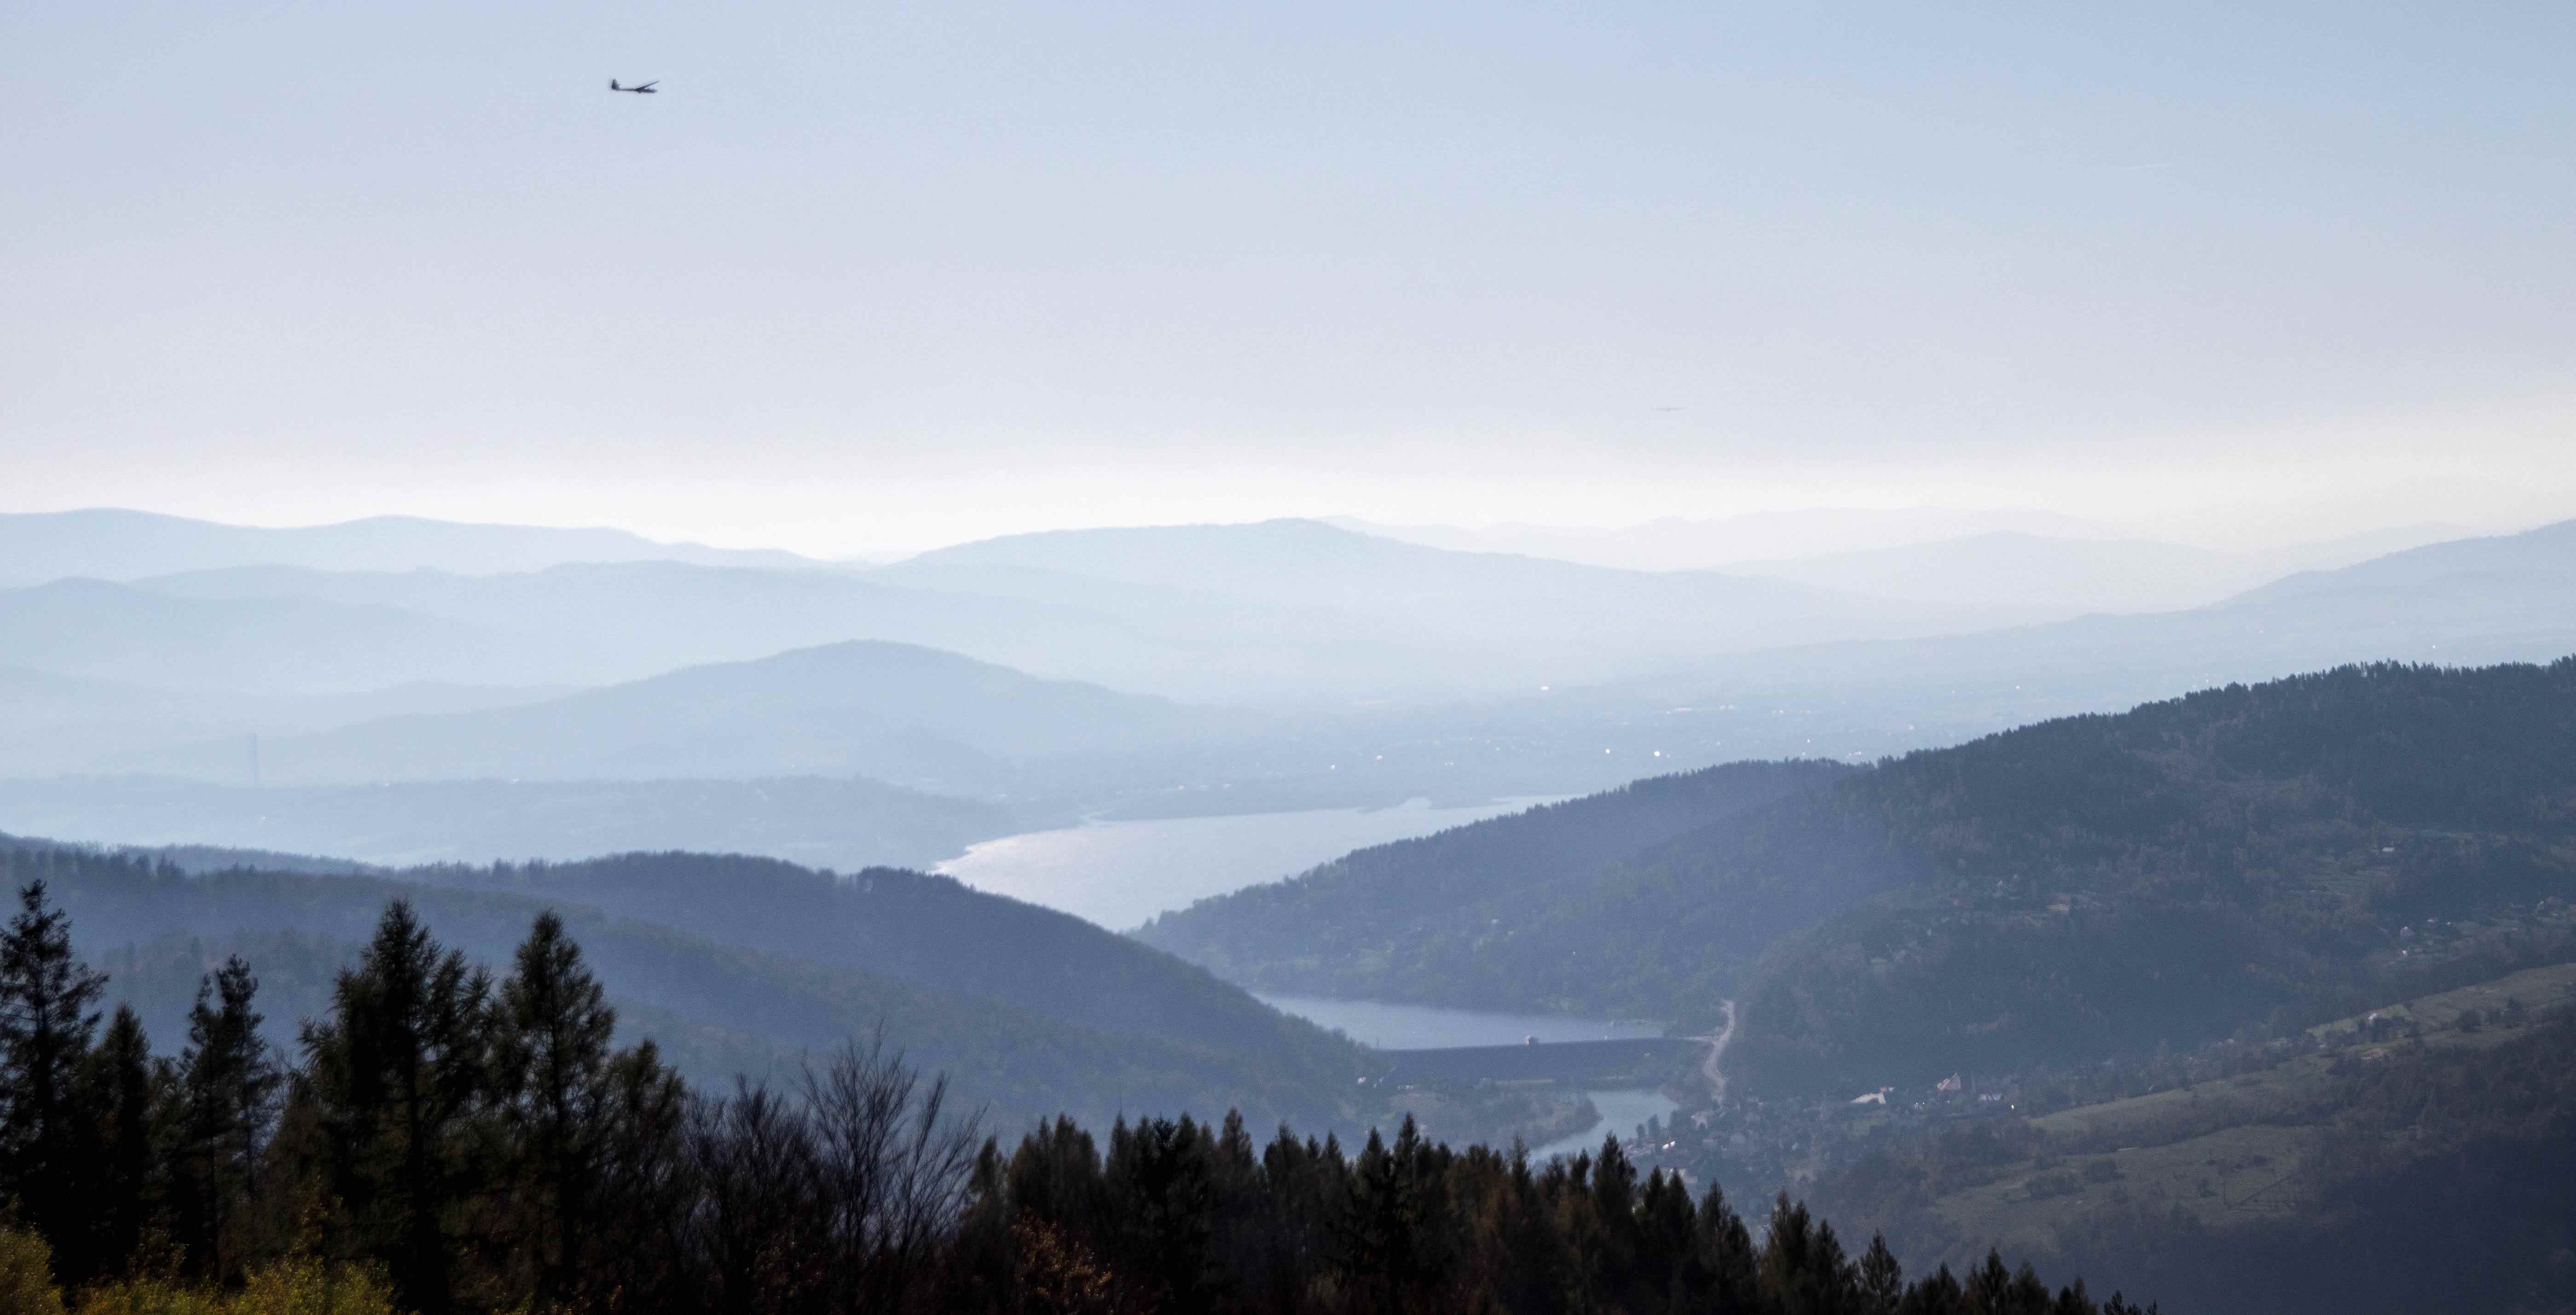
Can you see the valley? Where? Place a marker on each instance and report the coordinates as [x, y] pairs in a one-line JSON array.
[[2074, 986]]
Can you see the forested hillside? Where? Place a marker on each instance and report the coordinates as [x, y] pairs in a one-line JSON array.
[[930, 932], [2171, 874], [720, 1006], [2095, 883], [1413, 920], [448, 1137], [2295, 1176]]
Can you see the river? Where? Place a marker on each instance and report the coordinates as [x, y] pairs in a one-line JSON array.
[[1621, 1111], [1118, 874]]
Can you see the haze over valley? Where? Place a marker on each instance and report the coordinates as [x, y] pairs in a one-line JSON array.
[[1310, 660]]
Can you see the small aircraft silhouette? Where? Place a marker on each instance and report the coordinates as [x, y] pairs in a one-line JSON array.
[[644, 90]]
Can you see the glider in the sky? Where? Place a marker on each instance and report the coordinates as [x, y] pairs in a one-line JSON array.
[[644, 90]]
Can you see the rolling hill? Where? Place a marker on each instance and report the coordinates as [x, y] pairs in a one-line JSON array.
[[113, 544], [1676, 543], [911, 716], [2306, 1173], [2051, 893], [1105, 1023], [1406, 592], [602, 622], [94, 630], [1383, 923], [52, 725], [836, 822], [2508, 598]]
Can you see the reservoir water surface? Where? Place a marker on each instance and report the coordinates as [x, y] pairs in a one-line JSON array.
[[1425, 1027], [1118, 874]]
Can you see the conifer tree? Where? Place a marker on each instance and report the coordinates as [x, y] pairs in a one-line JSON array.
[[399, 1075], [1938, 1294], [228, 1084], [119, 1090], [1734, 1274], [46, 1022], [552, 1070], [640, 1196], [1881, 1281]]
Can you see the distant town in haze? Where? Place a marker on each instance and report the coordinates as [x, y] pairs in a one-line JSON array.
[[1300, 661]]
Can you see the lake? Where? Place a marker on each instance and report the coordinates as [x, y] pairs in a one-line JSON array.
[[1118, 874]]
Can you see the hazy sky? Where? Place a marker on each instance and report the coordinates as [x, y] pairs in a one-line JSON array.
[[870, 275]]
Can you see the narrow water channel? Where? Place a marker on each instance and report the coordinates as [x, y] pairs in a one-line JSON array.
[[1425, 1027]]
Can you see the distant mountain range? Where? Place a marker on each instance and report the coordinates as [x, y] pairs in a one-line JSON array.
[[1279, 610], [892, 712], [2499, 599], [1373, 672], [112, 544], [1440, 620], [1676, 543], [593, 623], [2005, 560], [2073, 575]]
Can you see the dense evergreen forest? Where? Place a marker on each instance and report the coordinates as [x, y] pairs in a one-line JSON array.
[[740, 965], [445, 1140]]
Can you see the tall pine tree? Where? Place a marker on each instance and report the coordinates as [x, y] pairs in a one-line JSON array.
[[554, 1075], [119, 1089], [228, 1085], [399, 1078], [46, 1021]]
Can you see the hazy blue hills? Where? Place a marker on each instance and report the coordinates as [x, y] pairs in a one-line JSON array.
[[840, 822], [1146, 1032], [2476, 574], [893, 712], [2508, 598], [272, 646], [51, 724], [1278, 609], [1395, 590], [2168, 874], [602, 622], [2072, 575], [112, 544], [1679, 543]]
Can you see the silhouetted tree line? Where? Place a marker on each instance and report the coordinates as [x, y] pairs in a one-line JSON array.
[[461, 1143]]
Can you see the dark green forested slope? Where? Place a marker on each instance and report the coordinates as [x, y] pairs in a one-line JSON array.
[[2408, 1177], [2178, 871], [1433, 919], [931, 932], [2055, 892], [716, 1007]]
